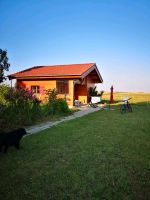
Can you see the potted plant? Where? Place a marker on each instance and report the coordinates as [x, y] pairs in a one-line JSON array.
[[94, 95]]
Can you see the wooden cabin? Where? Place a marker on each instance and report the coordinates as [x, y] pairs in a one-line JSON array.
[[72, 81]]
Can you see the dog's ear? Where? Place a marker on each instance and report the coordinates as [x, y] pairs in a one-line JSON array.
[[24, 132]]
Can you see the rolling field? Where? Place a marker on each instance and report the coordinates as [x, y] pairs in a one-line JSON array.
[[136, 97]]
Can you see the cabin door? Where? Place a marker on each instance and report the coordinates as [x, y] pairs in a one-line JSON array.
[[80, 93]]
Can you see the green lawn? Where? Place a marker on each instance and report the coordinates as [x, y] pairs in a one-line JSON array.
[[104, 155]]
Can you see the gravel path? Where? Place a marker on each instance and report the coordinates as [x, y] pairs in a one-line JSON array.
[[83, 111]]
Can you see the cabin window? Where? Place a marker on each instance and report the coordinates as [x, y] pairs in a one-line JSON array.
[[62, 86], [35, 89]]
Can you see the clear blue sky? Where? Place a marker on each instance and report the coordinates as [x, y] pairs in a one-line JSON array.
[[113, 33]]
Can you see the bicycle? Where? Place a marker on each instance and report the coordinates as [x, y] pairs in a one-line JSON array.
[[126, 106]]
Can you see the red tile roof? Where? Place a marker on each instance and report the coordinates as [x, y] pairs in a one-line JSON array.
[[54, 70]]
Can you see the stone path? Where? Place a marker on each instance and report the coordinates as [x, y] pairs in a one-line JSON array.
[[83, 111]]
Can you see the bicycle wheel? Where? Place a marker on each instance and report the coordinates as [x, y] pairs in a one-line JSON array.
[[122, 109], [93, 105], [130, 108]]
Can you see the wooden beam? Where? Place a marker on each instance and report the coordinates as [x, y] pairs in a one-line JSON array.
[[46, 77]]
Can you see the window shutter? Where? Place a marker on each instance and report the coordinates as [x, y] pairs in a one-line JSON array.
[[42, 90], [28, 88]]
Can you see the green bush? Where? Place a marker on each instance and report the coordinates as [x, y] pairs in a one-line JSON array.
[[4, 89], [55, 105], [59, 106], [62, 106]]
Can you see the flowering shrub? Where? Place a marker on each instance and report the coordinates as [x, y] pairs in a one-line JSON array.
[[51, 95], [19, 107], [20, 96]]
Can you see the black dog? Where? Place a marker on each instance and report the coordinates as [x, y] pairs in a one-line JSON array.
[[11, 139]]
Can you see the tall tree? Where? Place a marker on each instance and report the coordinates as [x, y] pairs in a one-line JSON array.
[[4, 65]]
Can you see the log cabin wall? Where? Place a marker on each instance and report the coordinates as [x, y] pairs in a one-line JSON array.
[[45, 85]]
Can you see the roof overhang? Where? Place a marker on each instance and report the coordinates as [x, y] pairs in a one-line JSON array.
[[44, 77]]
